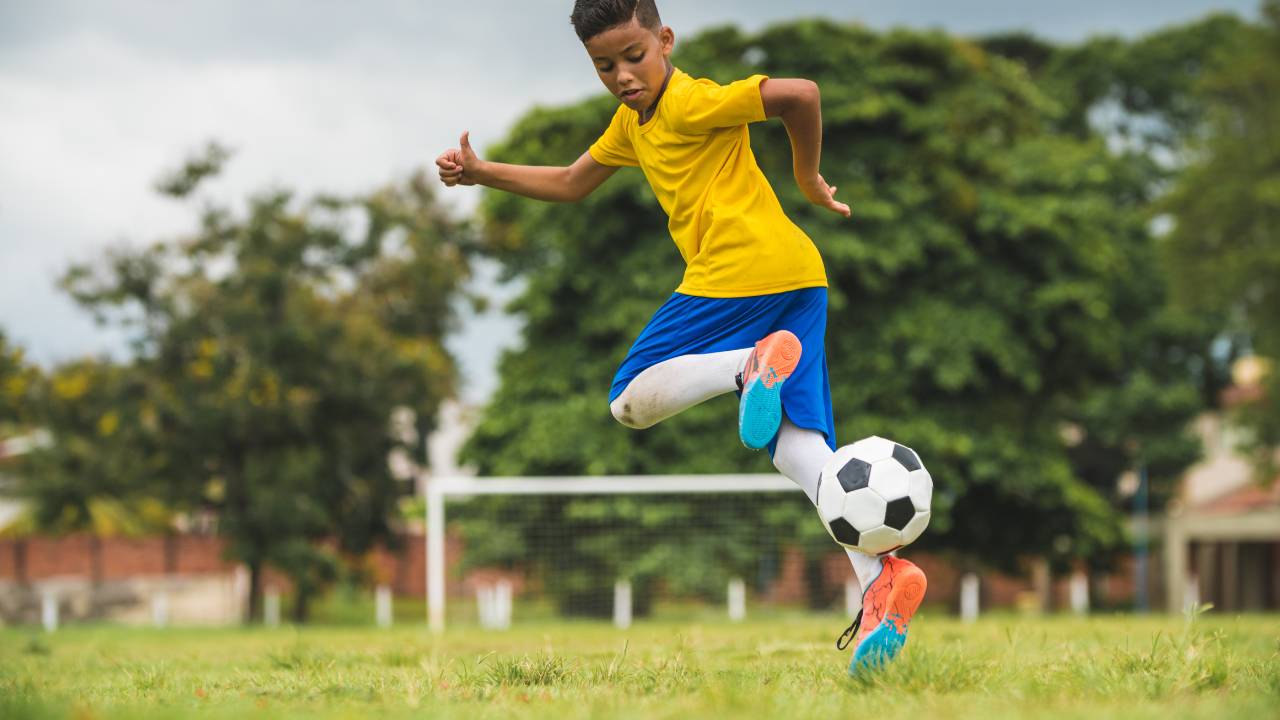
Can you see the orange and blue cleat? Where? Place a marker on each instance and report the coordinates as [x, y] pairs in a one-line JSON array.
[[887, 607], [760, 410]]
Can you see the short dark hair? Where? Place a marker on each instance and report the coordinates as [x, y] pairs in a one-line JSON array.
[[592, 17]]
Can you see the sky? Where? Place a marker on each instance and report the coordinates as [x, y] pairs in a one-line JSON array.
[[98, 98]]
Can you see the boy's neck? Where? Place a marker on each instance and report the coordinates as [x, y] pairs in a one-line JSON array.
[[647, 115]]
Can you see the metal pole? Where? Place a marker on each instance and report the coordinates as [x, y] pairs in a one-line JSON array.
[[435, 558]]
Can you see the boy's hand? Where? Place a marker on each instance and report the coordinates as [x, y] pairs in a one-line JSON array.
[[823, 195], [460, 165]]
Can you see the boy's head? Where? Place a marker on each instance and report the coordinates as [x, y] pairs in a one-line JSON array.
[[628, 44]]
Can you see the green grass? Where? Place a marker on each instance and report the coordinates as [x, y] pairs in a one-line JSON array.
[[1000, 667]]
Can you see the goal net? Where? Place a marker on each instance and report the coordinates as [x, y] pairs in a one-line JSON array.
[[619, 548]]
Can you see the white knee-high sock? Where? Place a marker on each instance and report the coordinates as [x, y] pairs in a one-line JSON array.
[[800, 455], [678, 384]]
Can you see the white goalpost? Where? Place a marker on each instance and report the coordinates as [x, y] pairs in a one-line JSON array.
[[439, 490]]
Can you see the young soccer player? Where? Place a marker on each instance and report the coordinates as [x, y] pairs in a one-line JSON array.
[[750, 314]]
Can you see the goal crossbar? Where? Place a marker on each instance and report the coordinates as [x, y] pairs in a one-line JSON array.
[[440, 488]]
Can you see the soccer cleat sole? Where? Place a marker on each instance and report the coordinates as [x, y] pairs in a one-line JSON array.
[[881, 645], [760, 410], [760, 414]]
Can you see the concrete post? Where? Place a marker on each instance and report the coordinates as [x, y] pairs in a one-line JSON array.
[[435, 559], [382, 606], [737, 599], [49, 610], [969, 597], [622, 604], [271, 608]]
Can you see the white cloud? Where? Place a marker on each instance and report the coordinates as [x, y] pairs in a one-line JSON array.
[[89, 122]]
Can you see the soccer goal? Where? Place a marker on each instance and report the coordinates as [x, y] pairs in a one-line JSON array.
[[618, 547]]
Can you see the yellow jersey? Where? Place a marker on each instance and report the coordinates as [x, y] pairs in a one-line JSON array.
[[723, 215]]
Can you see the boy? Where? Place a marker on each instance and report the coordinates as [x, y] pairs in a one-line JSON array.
[[750, 314]]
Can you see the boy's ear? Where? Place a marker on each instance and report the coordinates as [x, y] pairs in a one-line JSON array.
[[666, 39]]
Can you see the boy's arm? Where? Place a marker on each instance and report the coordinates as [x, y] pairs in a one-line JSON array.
[[461, 166], [799, 105]]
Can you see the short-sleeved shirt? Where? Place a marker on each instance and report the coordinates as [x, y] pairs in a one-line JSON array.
[[723, 215]]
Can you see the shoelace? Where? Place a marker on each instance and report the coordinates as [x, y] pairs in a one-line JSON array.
[[847, 636]]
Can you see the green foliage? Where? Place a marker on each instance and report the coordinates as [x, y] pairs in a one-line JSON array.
[[996, 288], [271, 351], [1225, 247], [1140, 92], [17, 381], [102, 473]]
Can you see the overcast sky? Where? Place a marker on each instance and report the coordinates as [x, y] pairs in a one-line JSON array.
[[96, 98]]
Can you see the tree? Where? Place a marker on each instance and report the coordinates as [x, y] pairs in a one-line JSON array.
[[271, 350], [1143, 96], [997, 276], [1224, 247], [17, 377]]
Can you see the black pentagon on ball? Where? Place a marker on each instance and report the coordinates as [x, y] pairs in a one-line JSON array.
[[854, 475], [899, 513], [907, 457], [844, 532]]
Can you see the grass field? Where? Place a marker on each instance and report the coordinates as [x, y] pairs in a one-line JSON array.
[[1010, 667]]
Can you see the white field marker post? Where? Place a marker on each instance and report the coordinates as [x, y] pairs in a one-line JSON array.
[[737, 600], [852, 597], [435, 556], [160, 608], [1191, 594], [969, 597], [1079, 592], [382, 606], [271, 609], [622, 604], [484, 605], [49, 611], [502, 604]]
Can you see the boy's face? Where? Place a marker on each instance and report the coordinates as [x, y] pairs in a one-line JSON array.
[[632, 61]]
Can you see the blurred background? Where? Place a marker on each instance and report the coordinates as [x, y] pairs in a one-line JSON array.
[[244, 332]]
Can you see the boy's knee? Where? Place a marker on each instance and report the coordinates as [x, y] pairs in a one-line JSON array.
[[623, 411]]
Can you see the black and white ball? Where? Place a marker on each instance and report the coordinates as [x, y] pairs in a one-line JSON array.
[[874, 496]]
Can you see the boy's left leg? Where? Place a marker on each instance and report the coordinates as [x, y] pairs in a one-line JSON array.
[[892, 588], [800, 455]]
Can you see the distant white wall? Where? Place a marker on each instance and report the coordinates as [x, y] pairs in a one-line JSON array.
[[1222, 469]]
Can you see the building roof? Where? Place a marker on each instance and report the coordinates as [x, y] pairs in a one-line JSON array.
[[1244, 499]]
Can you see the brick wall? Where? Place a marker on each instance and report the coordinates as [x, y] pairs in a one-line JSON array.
[[34, 559]]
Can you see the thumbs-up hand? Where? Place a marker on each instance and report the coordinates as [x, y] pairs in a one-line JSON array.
[[458, 165]]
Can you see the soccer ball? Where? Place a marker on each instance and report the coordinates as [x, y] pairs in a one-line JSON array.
[[874, 495]]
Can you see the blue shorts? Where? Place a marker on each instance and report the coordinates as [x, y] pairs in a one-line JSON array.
[[690, 325]]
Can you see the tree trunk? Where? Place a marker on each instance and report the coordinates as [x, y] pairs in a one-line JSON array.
[[301, 604], [817, 594], [20, 561], [95, 559], [170, 553], [253, 610]]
